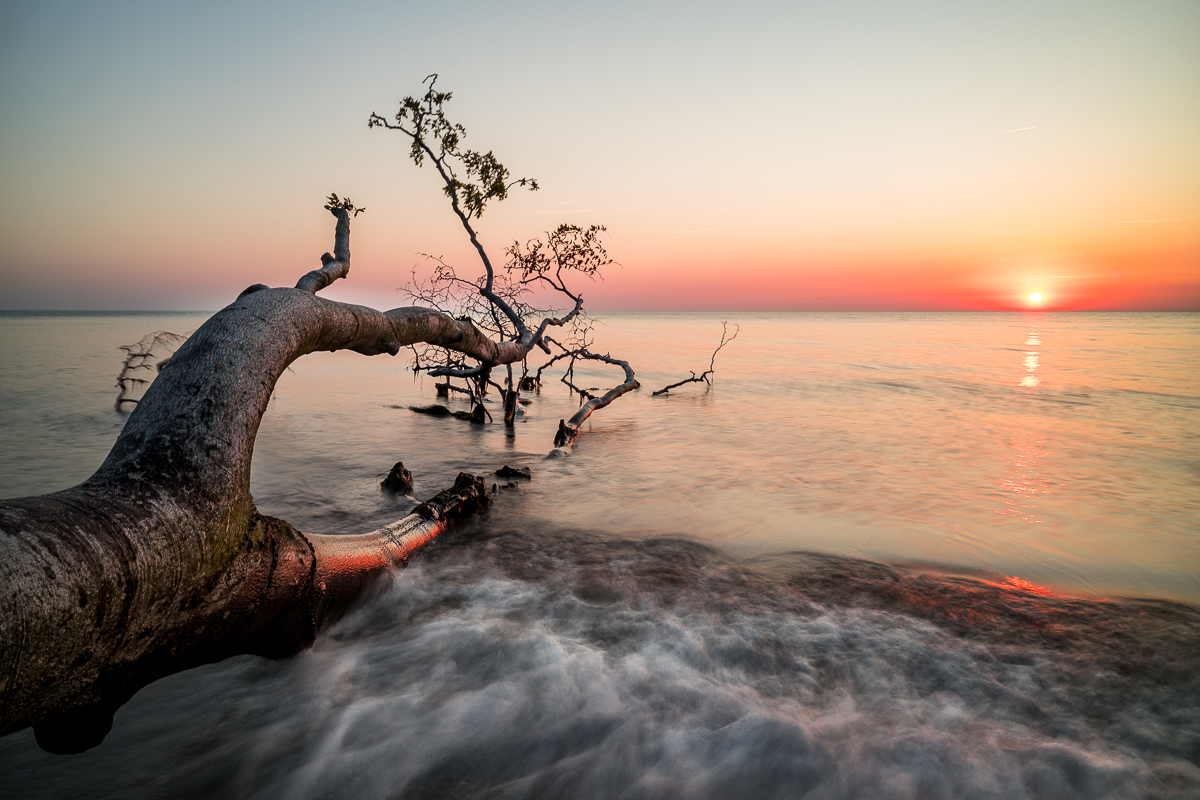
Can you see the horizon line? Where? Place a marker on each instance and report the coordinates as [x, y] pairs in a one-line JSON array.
[[843, 310]]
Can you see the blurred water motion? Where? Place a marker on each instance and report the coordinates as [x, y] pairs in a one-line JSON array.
[[693, 604], [882, 436]]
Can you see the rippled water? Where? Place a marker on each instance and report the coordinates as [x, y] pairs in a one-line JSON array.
[[883, 557]]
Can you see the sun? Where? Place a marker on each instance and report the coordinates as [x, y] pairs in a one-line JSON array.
[[1036, 297]]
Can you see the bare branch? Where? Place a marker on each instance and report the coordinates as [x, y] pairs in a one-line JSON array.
[[486, 178], [703, 377], [142, 362], [564, 439], [566, 380], [459, 372]]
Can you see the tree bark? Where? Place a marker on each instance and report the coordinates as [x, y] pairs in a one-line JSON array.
[[564, 438], [160, 561]]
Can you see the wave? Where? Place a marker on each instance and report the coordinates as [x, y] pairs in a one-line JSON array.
[[564, 663]]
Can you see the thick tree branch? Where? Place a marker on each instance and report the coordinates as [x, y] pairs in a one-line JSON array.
[[333, 266], [564, 439], [160, 561], [346, 565]]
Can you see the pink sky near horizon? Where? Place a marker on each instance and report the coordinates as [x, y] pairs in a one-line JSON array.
[[924, 155]]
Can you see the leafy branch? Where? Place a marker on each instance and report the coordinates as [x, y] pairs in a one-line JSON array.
[[333, 202]]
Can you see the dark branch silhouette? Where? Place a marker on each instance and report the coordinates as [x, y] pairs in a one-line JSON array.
[[564, 439], [712, 364], [496, 302], [142, 362]]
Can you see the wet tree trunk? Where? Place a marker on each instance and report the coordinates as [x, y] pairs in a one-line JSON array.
[[160, 561], [510, 407]]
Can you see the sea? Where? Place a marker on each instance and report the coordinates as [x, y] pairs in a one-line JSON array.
[[878, 555]]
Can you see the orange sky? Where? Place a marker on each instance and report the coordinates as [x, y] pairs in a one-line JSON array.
[[931, 155]]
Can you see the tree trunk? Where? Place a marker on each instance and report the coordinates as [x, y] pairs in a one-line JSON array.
[[160, 561], [510, 407]]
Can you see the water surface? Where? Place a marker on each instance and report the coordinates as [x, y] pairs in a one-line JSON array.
[[885, 555]]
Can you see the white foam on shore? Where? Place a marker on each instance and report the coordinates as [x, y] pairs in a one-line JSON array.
[[462, 681]]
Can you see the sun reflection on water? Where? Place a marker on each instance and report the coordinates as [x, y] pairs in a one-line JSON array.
[[1024, 585], [1029, 380], [1025, 476]]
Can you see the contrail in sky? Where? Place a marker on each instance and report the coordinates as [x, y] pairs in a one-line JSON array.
[[1136, 221], [701, 230], [1014, 130]]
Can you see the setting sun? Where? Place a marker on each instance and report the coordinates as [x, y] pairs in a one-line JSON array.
[[1035, 297]]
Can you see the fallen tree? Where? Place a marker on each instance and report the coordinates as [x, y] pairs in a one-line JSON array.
[[160, 561]]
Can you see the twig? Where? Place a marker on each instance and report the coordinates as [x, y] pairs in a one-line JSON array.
[[150, 354]]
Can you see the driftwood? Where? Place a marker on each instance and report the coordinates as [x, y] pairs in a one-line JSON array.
[[511, 396], [478, 414], [160, 561]]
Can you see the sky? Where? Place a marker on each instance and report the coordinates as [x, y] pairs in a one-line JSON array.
[[880, 154]]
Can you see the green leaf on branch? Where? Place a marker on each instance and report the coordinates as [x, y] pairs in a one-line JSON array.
[[483, 177], [334, 202]]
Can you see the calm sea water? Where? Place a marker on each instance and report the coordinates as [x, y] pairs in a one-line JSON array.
[[886, 555]]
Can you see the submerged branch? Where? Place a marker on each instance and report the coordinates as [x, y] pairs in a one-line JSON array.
[[703, 377], [564, 439], [346, 565]]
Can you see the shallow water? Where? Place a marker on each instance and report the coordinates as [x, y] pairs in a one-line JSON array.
[[692, 605]]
